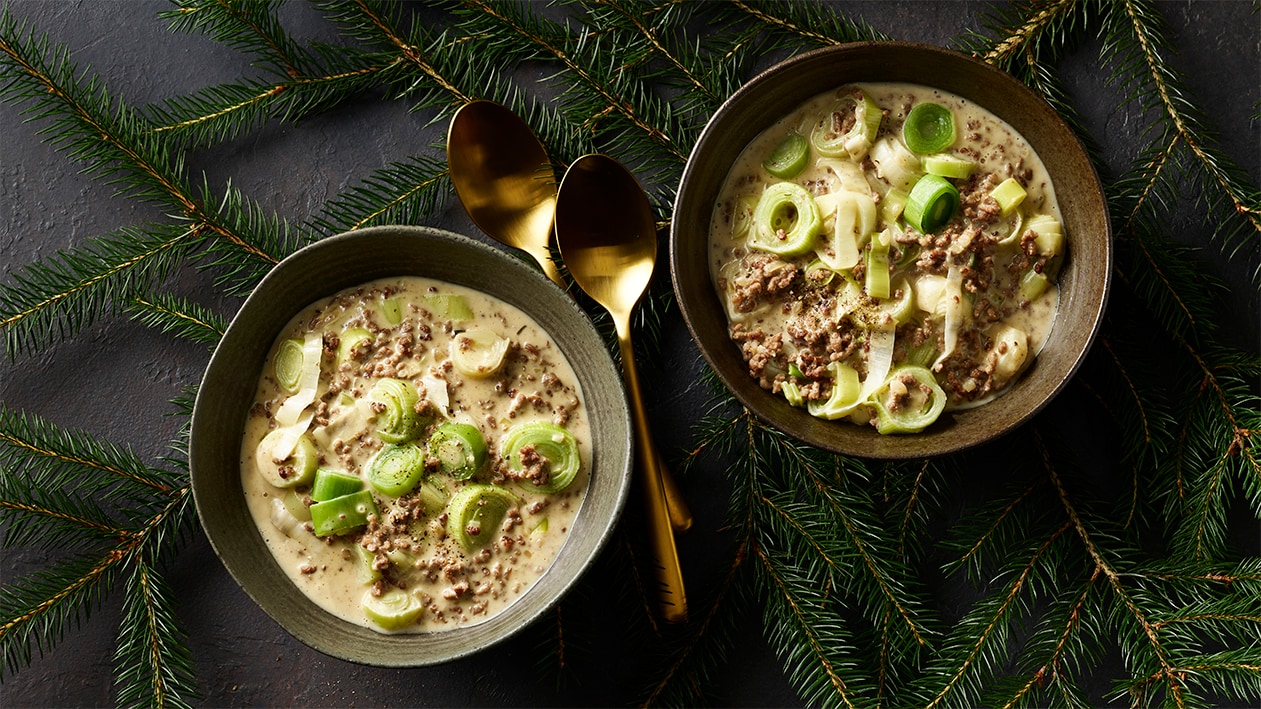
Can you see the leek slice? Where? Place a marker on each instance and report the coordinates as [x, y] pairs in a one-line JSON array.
[[877, 272], [399, 421], [895, 164], [331, 483], [460, 449], [393, 610], [554, 444], [478, 352], [351, 342], [933, 202], [1050, 235], [946, 165], [785, 221], [789, 157], [391, 310], [283, 520], [342, 514], [908, 409], [854, 218], [447, 306], [827, 139], [287, 365], [892, 206], [1033, 284], [929, 128], [1009, 194], [365, 573], [792, 393], [844, 399], [291, 468], [291, 410], [742, 215], [476, 512], [396, 470], [294, 503], [1011, 345]]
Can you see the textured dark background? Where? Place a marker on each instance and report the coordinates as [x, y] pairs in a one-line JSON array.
[[115, 378]]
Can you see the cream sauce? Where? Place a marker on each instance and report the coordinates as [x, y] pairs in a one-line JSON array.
[[456, 587]]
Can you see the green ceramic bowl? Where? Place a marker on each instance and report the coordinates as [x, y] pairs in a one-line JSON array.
[[765, 99], [228, 389]]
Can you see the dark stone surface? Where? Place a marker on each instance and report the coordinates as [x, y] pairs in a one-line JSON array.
[[115, 378]]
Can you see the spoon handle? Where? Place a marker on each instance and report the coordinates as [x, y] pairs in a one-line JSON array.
[[661, 534]]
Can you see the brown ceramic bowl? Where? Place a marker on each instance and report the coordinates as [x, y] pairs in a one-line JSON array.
[[1083, 280], [228, 388]]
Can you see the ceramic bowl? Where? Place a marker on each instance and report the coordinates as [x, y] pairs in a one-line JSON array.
[[229, 386], [1084, 278]]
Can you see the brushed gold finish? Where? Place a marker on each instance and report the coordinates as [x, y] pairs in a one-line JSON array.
[[608, 239], [505, 181]]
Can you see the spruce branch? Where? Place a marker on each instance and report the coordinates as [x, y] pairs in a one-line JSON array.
[[58, 296], [154, 667], [796, 22], [178, 316]]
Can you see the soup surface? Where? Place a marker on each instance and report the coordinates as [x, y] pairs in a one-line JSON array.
[[887, 252], [416, 454]]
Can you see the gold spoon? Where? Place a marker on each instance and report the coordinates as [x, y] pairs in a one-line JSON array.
[[503, 177], [505, 180], [608, 239]]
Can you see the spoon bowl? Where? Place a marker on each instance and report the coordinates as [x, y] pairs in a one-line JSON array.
[[608, 238], [503, 177]]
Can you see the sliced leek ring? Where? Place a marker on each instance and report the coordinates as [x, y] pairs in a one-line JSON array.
[[479, 352]]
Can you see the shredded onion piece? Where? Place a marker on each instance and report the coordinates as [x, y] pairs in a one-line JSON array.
[[287, 441], [436, 392], [953, 295]]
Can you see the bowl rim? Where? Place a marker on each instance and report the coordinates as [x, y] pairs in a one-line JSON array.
[[291, 609], [943, 437]]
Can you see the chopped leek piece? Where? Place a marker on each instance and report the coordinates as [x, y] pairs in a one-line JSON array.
[[545, 443], [827, 138], [946, 165], [433, 498], [479, 352], [929, 128], [923, 355], [878, 266], [818, 274], [1050, 236], [460, 449], [476, 513], [892, 205], [1033, 284], [296, 506], [331, 483], [352, 342], [792, 393], [365, 572], [909, 401], [282, 519], [786, 220], [393, 610], [288, 366], [844, 396], [933, 202], [788, 158], [742, 217], [1011, 345], [397, 420], [895, 164], [1009, 194], [342, 514], [396, 470], [391, 311], [295, 468], [447, 306]]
